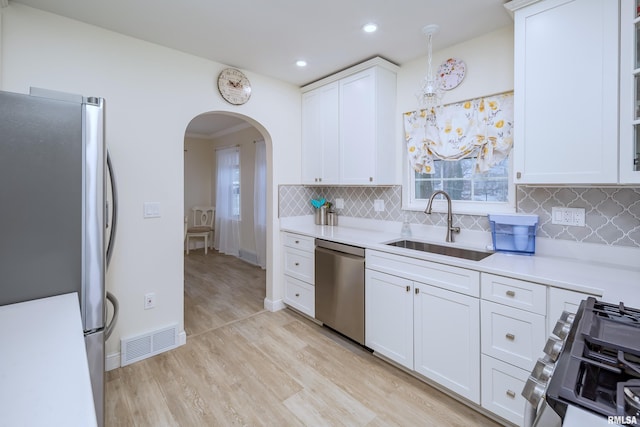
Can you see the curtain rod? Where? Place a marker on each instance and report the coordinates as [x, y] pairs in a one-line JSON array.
[[227, 146]]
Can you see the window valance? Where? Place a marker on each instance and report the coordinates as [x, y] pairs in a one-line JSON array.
[[481, 128]]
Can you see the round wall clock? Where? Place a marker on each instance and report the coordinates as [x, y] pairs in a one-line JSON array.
[[234, 86], [451, 73]]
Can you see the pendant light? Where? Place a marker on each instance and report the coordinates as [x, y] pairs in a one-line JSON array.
[[430, 94]]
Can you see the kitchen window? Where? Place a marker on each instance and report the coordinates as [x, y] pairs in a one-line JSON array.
[[235, 189], [471, 193]]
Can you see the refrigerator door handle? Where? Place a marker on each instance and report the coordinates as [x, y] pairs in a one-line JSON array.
[[114, 209], [116, 308]]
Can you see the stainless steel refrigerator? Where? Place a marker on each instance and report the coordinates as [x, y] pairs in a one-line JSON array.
[[56, 227]]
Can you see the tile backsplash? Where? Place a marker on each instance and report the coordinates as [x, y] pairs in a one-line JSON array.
[[612, 213]]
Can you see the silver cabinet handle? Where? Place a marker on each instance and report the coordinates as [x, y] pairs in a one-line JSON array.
[[297, 295], [511, 294], [417, 291], [510, 337], [408, 288], [511, 394], [296, 264], [297, 241]]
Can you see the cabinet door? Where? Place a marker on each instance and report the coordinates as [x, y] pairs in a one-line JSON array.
[[447, 339], [629, 93], [357, 128], [320, 141], [389, 316], [562, 300], [566, 92]]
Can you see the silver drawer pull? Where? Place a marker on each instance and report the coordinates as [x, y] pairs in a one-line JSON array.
[[297, 295], [511, 394], [511, 294], [296, 264], [297, 241], [510, 337]]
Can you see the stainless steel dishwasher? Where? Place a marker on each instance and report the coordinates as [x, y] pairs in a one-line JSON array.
[[339, 286]]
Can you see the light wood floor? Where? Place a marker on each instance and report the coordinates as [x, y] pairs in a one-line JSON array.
[[246, 366]]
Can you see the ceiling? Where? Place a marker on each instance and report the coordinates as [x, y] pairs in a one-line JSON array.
[[268, 37]]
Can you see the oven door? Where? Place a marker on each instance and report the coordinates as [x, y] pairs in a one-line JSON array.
[[542, 416]]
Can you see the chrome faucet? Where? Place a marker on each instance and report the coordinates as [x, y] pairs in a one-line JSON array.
[[450, 226]]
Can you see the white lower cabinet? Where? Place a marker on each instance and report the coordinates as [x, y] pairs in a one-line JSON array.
[[502, 385], [430, 330], [447, 339], [563, 300], [389, 316], [299, 272], [299, 295], [512, 335]]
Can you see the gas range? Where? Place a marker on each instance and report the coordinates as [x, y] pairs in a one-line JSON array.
[[591, 367]]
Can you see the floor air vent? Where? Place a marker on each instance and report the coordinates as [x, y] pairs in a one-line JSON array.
[[147, 345]]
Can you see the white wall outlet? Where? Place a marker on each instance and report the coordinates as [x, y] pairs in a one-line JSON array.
[[568, 216], [378, 205], [149, 300], [339, 203], [151, 210]]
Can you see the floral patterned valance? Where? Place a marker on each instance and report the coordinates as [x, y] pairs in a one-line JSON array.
[[481, 128]]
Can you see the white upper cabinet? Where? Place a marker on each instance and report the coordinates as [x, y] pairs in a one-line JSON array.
[[320, 135], [348, 127], [629, 92], [566, 91]]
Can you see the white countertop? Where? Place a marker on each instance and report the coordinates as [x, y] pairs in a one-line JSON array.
[[44, 374], [577, 267]]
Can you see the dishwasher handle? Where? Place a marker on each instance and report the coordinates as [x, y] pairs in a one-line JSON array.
[[339, 247]]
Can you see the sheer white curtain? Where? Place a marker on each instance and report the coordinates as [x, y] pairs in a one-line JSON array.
[[227, 229], [260, 203]]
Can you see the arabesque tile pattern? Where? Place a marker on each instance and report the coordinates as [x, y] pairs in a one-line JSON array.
[[612, 214]]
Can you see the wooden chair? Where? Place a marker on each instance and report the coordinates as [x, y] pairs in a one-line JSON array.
[[203, 220]]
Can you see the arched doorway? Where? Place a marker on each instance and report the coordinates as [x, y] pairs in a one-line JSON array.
[[228, 279]]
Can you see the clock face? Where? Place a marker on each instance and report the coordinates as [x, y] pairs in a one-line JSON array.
[[234, 86], [451, 73]]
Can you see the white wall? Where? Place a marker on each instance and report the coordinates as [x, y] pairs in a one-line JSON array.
[[151, 95]]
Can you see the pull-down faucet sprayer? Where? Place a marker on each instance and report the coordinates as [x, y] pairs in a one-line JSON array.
[[450, 227]]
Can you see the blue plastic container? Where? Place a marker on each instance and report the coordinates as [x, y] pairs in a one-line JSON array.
[[514, 233]]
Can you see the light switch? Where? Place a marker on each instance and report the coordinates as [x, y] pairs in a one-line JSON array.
[[151, 210], [378, 205], [339, 203]]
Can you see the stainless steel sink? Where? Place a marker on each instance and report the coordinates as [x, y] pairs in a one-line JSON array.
[[441, 250]]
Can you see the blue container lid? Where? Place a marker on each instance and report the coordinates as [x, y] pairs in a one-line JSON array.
[[514, 219]]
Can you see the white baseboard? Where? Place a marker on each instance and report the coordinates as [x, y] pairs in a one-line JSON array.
[[112, 361], [276, 305]]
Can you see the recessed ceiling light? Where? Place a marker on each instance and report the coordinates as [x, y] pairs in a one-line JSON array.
[[301, 63], [369, 28]]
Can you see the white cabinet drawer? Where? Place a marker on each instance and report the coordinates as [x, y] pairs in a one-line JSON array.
[[432, 273], [515, 293], [515, 336], [299, 295], [501, 387], [299, 264], [298, 241]]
